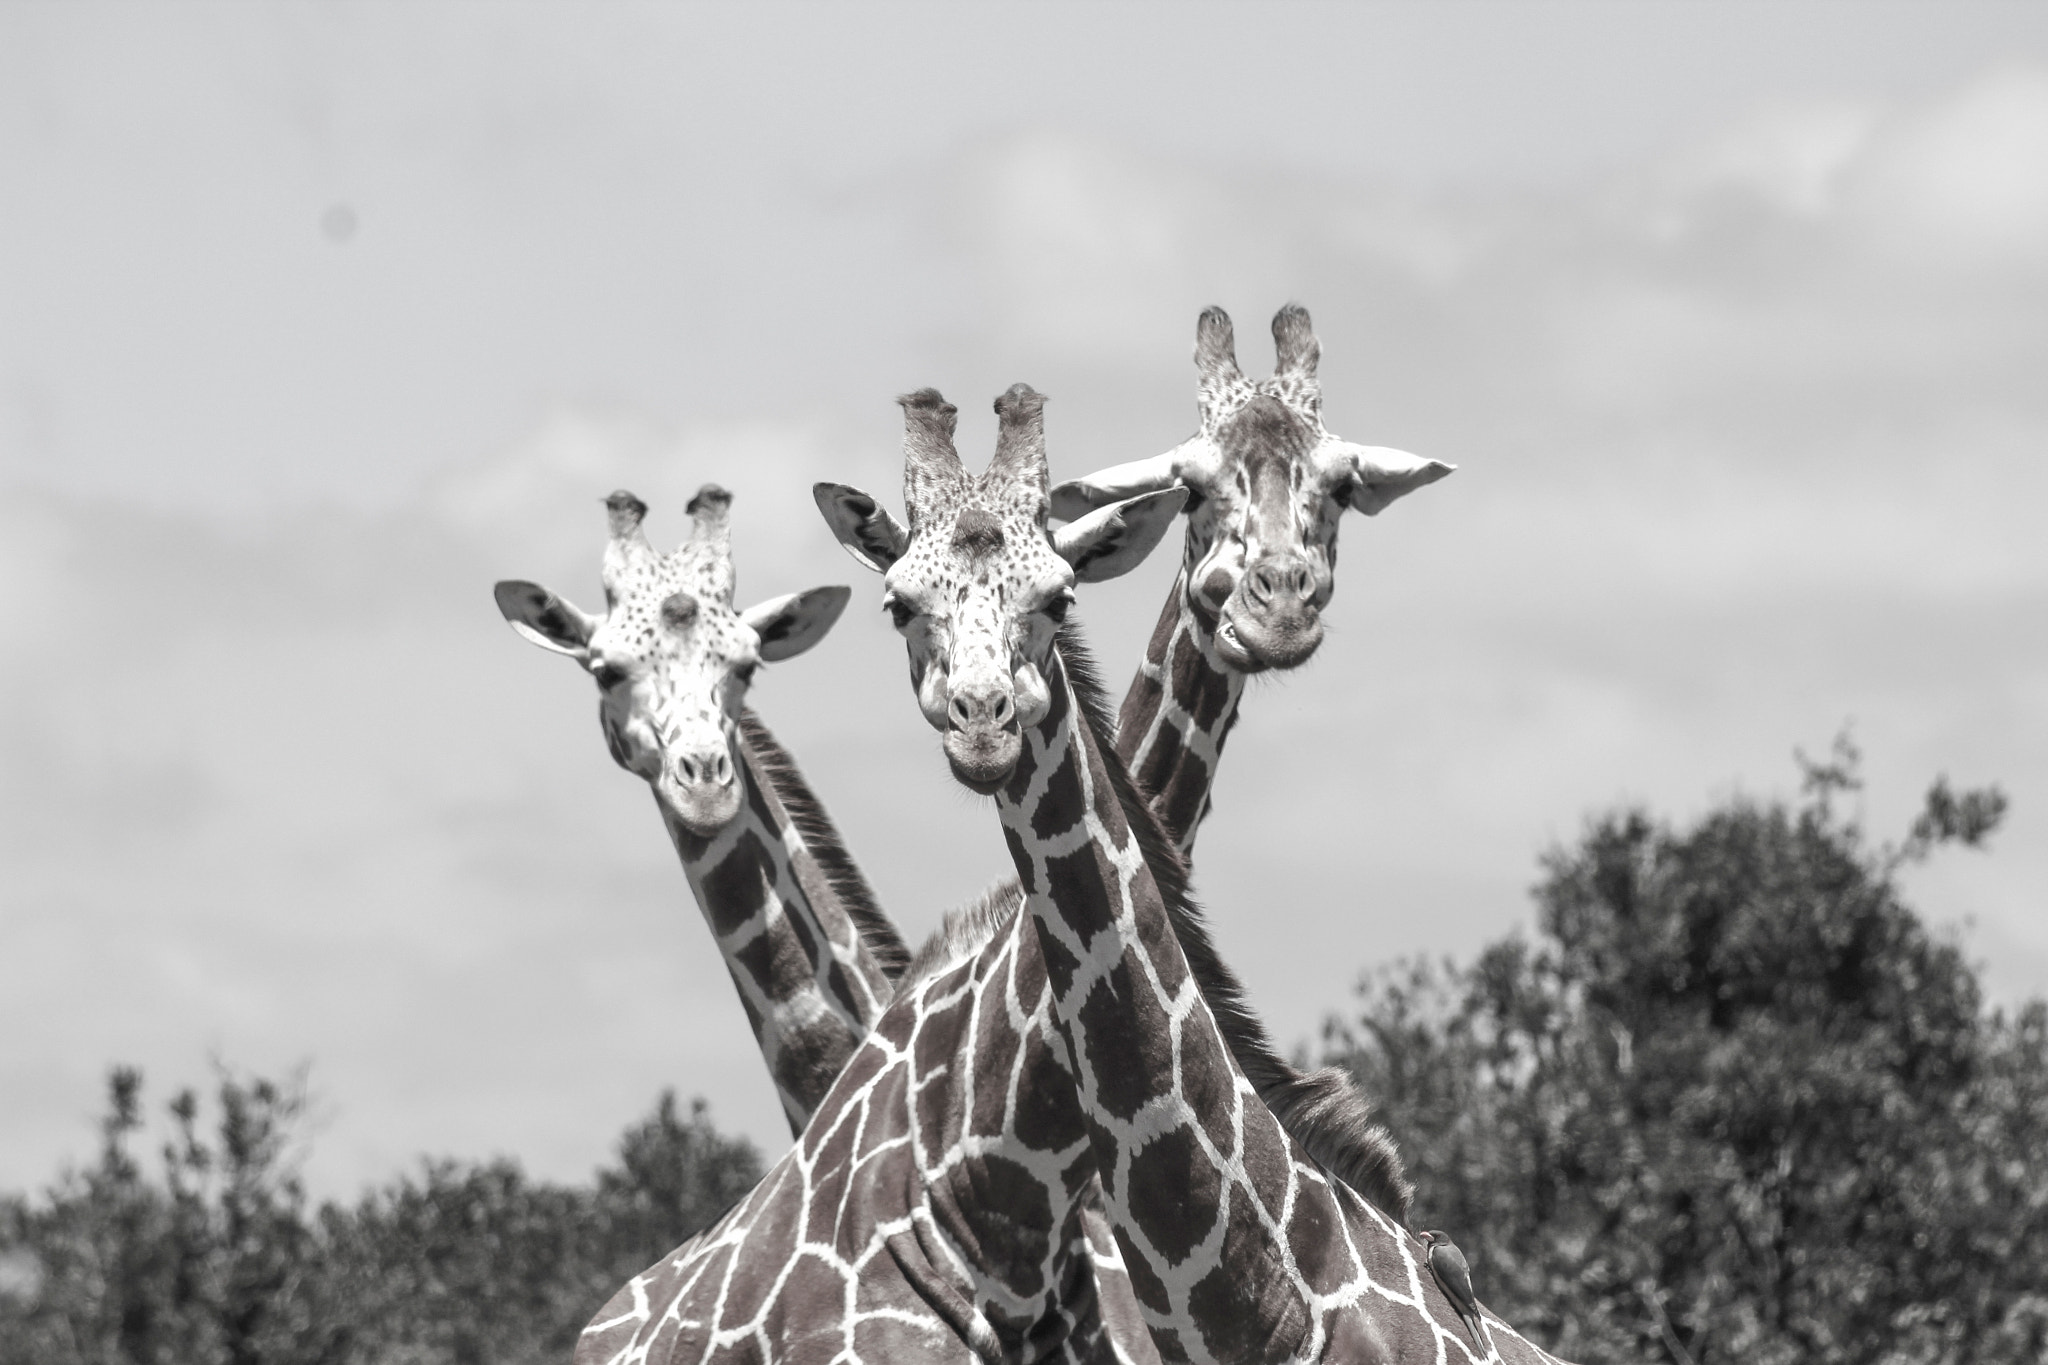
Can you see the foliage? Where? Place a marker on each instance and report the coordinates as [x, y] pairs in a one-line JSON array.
[[1733, 1103], [222, 1262]]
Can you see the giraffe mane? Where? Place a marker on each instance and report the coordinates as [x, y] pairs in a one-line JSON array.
[[1323, 1109], [965, 931], [821, 836]]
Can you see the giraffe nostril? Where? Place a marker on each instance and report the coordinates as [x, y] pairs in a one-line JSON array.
[[686, 768], [978, 707], [724, 770], [1289, 578]]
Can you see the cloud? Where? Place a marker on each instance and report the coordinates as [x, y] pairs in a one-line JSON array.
[[1749, 438], [1963, 183], [291, 790], [1811, 248], [1750, 447]]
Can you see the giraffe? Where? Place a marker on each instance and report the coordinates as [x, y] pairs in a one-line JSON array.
[[938, 1205], [1267, 484], [1242, 454], [1240, 1243], [811, 954]]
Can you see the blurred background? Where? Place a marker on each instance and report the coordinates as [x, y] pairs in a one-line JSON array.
[[315, 319]]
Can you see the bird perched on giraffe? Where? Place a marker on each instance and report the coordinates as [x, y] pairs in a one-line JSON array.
[[1454, 1276]]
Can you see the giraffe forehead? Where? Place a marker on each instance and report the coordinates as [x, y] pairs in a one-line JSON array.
[[1301, 398], [980, 541], [715, 640], [700, 628], [1268, 441], [1270, 424], [707, 578]]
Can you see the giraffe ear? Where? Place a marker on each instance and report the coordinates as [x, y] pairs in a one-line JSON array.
[[863, 525], [790, 624], [1111, 541], [1076, 498], [549, 621], [1380, 474]]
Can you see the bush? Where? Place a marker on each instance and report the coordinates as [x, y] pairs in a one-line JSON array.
[[1733, 1103], [221, 1262]]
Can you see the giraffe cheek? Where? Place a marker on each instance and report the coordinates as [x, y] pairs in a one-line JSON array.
[[633, 746], [1322, 567], [934, 696], [1033, 697]]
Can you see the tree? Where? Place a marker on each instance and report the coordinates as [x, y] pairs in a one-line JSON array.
[[469, 1263], [220, 1261], [215, 1263], [1734, 1103]]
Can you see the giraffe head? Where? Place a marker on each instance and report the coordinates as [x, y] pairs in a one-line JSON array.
[[1266, 485], [976, 584], [671, 657]]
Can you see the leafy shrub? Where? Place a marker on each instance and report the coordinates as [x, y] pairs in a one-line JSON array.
[[1734, 1102]]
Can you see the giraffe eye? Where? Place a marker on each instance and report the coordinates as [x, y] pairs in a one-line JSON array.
[[743, 674], [899, 611], [1058, 608], [607, 673]]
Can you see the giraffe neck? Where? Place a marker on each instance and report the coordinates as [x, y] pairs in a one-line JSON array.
[[940, 1206], [1238, 1242], [787, 911], [1176, 716]]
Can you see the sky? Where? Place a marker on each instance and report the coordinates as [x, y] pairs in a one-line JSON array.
[[315, 320]]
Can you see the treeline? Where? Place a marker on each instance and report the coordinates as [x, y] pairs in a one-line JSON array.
[[1731, 1102], [216, 1257]]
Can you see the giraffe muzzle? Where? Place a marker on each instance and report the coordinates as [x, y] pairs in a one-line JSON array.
[[983, 737], [1274, 619], [703, 789]]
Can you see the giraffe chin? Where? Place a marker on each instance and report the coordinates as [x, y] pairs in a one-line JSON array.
[[982, 759], [702, 808]]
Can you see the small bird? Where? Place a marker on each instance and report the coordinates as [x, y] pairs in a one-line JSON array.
[[1447, 1263]]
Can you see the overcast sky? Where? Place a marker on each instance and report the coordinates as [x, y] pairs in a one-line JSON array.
[[315, 320]]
